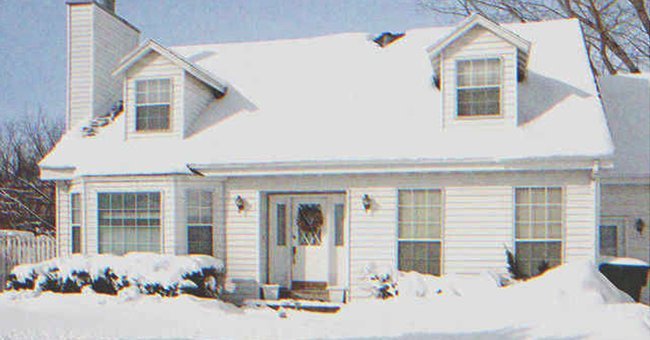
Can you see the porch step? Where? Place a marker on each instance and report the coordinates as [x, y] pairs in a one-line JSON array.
[[309, 294], [304, 305]]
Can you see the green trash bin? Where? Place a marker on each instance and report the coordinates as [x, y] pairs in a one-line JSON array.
[[628, 275]]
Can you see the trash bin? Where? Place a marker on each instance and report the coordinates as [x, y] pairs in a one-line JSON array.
[[628, 275]]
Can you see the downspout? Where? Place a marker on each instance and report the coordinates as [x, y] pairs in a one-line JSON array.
[[595, 177]]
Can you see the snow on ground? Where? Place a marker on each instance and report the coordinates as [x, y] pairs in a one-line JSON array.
[[573, 301]]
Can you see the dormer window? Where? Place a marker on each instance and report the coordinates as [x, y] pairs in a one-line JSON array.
[[478, 87], [153, 105]]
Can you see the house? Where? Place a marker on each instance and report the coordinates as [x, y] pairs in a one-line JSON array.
[[625, 189], [308, 162]]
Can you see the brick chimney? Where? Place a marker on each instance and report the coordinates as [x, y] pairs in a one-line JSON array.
[[97, 39]]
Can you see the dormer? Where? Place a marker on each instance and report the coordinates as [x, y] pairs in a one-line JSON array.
[[477, 67], [163, 92]]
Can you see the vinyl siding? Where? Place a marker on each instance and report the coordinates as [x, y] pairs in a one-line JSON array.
[[80, 64], [580, 219], [197, 98], [480, 43], [155, 66], [478, 225]]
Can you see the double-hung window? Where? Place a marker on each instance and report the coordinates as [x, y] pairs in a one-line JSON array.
[[478, 87], [420, 231], [153, 105], [129, 222], [75, 223], [539, 225], [199, 222]]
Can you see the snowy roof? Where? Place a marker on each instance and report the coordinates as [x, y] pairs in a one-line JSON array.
[[341, 99], [627, 104]]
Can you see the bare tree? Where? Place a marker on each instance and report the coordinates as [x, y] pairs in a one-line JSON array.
[[26, 202], [616, 32]]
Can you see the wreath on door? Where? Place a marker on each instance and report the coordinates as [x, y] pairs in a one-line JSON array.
[[310, 218]]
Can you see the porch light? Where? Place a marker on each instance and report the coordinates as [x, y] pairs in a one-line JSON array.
[[639, 225], [367, 202], [240, 203]]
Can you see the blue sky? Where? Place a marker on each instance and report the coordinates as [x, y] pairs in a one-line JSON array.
[[32, 34]]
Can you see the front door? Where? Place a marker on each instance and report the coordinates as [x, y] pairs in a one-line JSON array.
[[311, 231], [302, 238]]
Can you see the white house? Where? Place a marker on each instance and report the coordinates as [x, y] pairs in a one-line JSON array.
[[625, 189], [304, 162]]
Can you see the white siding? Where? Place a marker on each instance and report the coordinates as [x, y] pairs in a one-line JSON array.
[[197, 98], [480, 43], [113, 39], [580, 216], [478, 225], [243, 242], [155, 66], [373, 235], [628, 203], [97, 41], [62, 219]]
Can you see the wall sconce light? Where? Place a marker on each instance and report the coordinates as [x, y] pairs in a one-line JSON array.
[[240, 203], [639, 225], [367, 202]]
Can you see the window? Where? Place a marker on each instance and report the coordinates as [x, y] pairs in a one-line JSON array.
[[608, 240], [281, 224], [75, 223], [538, 227], [199, 222], [339, 220], [478, 87], [129, 222], [420, 231], [152, 105]]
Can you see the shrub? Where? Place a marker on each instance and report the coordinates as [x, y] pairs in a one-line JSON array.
[[150, 274]]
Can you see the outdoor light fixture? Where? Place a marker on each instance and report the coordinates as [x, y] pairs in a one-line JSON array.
[[367, 202], [640, 224], [240, 203]]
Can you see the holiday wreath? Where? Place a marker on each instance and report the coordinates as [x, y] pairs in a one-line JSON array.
[[310, 218]]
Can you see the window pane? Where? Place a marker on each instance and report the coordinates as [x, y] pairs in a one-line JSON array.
[[153, 102], [339, 220], [122, 218], [199, 240], [608, 241], [281, 223], [422, 257], [75, 209], [531, 255], [76, 240]]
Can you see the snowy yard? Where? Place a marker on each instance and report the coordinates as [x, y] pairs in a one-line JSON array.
[[573, 301]]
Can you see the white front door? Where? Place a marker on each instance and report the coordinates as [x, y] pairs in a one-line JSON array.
[[311, 233]]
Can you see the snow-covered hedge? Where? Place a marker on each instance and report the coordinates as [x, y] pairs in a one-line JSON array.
[[165, 275]]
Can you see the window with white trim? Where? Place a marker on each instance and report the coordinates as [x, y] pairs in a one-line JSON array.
[[199, 222], [75, 223], [539, 225], [420, 231], [153, 105], [129, 222], [478, 87]]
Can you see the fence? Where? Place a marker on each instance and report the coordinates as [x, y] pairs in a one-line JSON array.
[[20, 248]]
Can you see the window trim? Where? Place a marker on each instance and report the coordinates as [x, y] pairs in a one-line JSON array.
[[443, 215], [500, 115], [76, 225], [189, 225], [562, 238], [135, 105]]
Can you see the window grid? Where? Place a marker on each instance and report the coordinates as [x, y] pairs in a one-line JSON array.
[[538, 227], [199, 222], [420, 230], [75, 223], [153, 104], [129, 222], [478, 87]]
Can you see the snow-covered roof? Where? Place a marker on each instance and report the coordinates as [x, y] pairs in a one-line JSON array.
[[627, 104], [342, 100]]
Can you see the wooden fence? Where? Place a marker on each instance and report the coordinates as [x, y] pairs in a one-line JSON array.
[[18, 249]]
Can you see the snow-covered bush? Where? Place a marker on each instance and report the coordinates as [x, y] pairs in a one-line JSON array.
[[382, 283], [164, 275]]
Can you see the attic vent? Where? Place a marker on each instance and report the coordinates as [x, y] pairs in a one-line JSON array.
[[387, 38]]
